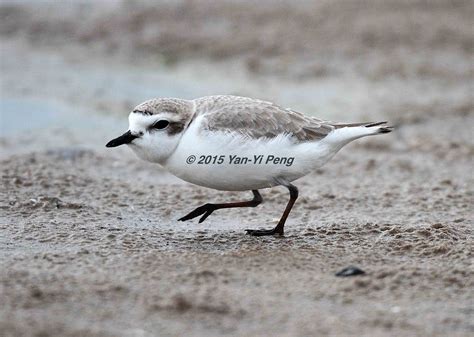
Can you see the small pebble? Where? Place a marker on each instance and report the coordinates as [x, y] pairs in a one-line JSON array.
[[350, 271]]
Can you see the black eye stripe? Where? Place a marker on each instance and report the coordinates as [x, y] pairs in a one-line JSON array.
[[161, 124]]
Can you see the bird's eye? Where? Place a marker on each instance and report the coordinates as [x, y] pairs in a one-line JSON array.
[[161, 124]]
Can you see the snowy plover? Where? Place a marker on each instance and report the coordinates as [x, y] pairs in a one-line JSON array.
[[236, 144]]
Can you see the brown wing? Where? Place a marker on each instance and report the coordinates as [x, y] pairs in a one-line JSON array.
[[258, 119]]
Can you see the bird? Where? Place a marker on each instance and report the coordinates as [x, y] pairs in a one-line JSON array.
[[234, 143]]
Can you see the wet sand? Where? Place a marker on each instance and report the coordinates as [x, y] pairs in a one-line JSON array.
[[89, 242]]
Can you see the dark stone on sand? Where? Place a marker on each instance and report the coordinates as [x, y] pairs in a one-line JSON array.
[[350, 271]]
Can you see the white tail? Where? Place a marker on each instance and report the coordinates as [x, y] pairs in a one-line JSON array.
[[345, 133]]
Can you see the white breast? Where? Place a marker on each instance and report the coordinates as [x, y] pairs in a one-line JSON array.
[[228, 161]]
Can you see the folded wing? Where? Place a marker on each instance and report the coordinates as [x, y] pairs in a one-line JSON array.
[[259, 119]]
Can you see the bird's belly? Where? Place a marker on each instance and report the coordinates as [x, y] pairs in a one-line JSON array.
[[232, 176], [232, 164]]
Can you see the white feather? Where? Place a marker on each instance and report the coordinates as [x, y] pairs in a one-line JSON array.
[[239, 177]]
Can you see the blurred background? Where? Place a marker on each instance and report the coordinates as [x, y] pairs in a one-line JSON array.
[[89, 242], [69, 65]]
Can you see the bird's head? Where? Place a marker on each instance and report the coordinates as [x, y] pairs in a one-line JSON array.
[[155, 128]]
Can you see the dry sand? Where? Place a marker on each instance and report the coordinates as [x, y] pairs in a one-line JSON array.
[[89, 242]]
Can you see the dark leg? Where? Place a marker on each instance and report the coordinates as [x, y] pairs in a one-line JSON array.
[[207, 209], [279, 229]]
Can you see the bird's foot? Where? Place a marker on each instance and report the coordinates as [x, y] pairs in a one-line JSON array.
[[265, 232], [204, 210]]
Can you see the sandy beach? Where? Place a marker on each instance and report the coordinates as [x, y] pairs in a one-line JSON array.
[[90, 244]]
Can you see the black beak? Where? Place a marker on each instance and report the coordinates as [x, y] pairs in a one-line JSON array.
[[126, 138]]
